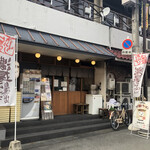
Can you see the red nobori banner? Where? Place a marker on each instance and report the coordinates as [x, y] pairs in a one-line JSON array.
[[138, 68], [7, 71]]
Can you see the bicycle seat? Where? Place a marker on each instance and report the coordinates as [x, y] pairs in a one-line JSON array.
[[116, 107]]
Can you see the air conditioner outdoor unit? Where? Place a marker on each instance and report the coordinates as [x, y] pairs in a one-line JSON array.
[[123, 87], [128, 3]]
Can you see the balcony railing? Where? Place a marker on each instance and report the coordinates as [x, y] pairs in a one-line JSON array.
[[88, 10]]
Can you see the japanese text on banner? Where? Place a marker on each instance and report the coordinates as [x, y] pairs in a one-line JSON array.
[[138, 68], [7, 71]]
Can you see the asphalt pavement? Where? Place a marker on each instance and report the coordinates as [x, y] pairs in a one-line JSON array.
[[99, 140]]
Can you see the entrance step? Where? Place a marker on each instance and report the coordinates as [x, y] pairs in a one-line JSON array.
[[57, 119], [47, 127], [33, 131]]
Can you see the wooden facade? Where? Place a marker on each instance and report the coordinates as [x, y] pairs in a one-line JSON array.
[[63, 101]]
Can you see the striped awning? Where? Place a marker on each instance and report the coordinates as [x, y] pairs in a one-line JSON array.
[[48, 39]]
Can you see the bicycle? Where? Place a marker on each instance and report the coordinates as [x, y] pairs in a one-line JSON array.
[[117, 118]]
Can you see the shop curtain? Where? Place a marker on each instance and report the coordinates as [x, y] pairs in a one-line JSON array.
[[74, 72], [55, 71], [82, 72], [44, 70], [65, 71]]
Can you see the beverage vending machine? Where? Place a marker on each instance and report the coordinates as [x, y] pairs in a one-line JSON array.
[[31, 92]]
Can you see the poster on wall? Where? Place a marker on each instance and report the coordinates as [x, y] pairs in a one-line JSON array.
[[7, 70], [47, 107], [138, 68], [141, 115]]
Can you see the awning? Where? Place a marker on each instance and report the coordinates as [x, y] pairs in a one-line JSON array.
[[119, 56], [55, 41]]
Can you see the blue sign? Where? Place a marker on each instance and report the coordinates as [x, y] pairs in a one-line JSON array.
[[127, 44]]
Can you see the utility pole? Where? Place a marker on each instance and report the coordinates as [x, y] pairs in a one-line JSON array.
[[135, 27], [135, 35], [144, 46], [99, 9]]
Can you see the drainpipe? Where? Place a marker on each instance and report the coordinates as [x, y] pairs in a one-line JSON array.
[[110, 38]]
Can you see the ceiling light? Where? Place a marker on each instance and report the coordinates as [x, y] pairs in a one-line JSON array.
[[37, 55], [59, 58], [77, 61], [93, 62]]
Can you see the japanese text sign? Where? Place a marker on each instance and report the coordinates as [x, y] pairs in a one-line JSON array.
[[7, 71], [141, 115], [138, 68]]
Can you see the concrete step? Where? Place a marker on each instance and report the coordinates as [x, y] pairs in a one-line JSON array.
[[48, 127], [57, 119], [44, 135]]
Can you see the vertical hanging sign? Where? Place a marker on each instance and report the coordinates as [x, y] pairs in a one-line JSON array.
[[7, 71], [138, 68]]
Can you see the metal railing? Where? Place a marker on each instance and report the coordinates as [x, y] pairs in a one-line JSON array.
[[88, 10]]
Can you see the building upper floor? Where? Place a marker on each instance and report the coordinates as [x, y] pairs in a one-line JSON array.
[[77, 19]]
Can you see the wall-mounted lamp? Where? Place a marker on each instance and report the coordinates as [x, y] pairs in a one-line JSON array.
[[93, 62], [37, 55], [59, 58], [77, 60]]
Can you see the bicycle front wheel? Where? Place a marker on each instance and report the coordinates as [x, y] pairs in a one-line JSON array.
[[113, 121], [127, 119]]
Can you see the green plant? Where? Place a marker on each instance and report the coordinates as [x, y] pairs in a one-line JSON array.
[[111, 109]]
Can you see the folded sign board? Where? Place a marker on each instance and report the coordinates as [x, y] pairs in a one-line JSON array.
[[141, 115]]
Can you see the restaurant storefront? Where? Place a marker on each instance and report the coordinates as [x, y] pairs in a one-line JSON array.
[[69, 80]]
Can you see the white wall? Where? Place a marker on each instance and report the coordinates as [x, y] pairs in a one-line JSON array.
[[100, 76], [118, 36], [30, 15]]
